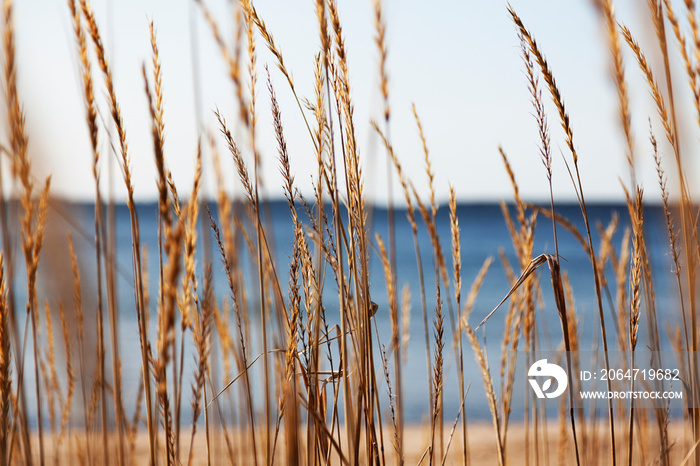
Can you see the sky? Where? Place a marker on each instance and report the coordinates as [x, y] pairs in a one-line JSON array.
[[459, 62]]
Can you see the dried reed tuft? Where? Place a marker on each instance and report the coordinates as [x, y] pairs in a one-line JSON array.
[[620, 84], [202, 340], [137, 268], [70, 375], [653, 86], [488, 387], [566, 125]]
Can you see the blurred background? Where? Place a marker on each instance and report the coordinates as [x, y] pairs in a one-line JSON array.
[[459, 62]]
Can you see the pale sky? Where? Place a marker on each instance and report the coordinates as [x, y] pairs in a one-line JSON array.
[[458, 61]]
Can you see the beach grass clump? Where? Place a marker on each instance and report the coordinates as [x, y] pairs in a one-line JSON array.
[[287, 364]]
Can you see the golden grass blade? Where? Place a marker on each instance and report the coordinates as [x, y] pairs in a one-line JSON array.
[[529, 270], [490, 393], [241, 374], [690, 454], [454, 425]]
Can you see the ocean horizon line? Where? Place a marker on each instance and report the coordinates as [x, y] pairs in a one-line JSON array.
[[398, 206]]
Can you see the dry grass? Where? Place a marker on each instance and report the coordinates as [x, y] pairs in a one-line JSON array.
[[314, 394]]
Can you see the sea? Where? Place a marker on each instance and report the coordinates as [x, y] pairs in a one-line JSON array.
[[483, 235]]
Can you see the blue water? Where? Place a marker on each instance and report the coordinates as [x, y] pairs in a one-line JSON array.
[[483, 234]]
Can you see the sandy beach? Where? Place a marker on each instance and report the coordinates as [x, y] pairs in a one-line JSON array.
[[595, 448]]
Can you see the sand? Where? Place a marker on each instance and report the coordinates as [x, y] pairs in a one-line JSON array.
[[482, 447]]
